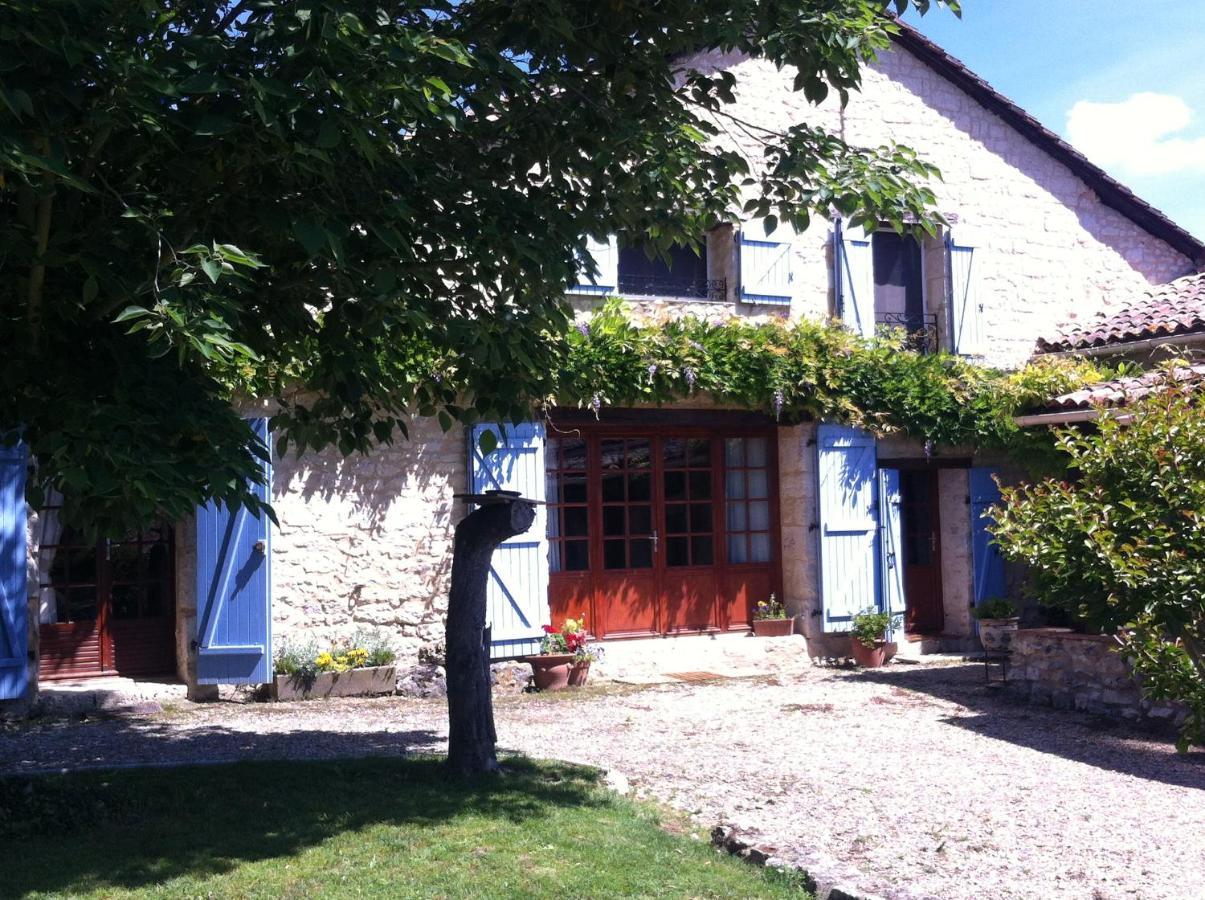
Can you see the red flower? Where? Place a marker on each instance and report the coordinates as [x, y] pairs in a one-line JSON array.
[[548, 629]]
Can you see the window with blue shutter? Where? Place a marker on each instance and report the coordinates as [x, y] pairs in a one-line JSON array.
[[891, 550], [517, 590], [14, 600], [853, 258], [234, 588], [989, 564], [966, 308], [767, 268], [848, 524], [605, 256]]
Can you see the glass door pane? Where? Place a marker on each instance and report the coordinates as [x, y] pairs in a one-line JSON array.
[[686, 480], [627, 503]]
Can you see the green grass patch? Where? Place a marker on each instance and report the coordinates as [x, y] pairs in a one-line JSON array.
[[380, 827]]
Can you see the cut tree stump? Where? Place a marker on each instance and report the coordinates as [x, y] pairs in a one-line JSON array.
[[471, 736]]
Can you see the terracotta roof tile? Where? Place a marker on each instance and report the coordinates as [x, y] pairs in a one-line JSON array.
[[1177, 307], [1121, 391]]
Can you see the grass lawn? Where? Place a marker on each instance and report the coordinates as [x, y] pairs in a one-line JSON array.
[[377, 827]]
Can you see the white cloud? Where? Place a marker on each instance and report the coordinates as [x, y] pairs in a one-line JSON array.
[[1137, 135]]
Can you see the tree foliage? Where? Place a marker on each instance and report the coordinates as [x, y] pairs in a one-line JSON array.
[[1122, 545], [361, 211]]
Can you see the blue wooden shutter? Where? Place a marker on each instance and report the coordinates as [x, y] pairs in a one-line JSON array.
[[234, 588], [848, 499], [14, 599], [989, 564], [966, 310], [767, 268], [891, 549], [605, 255], [853, 256], [517, 591]]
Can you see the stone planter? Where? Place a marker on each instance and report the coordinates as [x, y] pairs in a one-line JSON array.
[[352, 683], [773, 627], [996, 635], [550, 671], [870, 657]]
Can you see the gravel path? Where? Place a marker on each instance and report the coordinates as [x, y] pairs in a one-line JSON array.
[[913, 782]]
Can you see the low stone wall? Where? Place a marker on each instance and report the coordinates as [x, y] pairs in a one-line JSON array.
[[1066, 670]]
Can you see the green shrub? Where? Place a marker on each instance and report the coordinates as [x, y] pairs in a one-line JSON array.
[[1122, 547], [995, 608], [296, 656], [870, 627]]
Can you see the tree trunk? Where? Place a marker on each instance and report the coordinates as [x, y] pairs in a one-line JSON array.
[[471, 735]]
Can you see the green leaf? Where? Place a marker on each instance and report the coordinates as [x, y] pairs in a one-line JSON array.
[[329, 135], [312, 235], [212, 268], [487, 441]]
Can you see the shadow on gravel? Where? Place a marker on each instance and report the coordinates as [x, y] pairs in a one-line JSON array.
[[127, 742], [1092, 740]]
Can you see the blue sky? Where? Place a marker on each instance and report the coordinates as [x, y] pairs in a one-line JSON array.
[[1123, 82]]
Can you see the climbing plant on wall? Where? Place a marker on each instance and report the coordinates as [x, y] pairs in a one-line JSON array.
[[809, 369]]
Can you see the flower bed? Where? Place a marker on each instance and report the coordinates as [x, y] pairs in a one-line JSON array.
[[359, 666]]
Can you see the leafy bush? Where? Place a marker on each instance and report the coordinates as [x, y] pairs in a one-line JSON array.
[[1123, 545], [995, 608], [870, 627]]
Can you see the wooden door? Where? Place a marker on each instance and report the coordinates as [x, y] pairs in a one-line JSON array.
[[106, 607], [686, 556], [625, 555], [661, 530], [924, 609]]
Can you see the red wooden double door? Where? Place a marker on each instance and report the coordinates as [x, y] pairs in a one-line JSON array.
[[106, 607], [658, 531]]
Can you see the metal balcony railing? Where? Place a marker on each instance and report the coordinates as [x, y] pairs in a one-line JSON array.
[[712, 289], [920, 332]]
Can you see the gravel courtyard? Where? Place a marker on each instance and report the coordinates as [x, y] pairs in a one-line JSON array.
[[915, 781]]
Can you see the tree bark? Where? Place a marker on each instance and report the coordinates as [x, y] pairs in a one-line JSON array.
[[471, 735]]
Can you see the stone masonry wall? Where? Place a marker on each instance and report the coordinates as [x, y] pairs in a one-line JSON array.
[[1047, 249], [367, 541], [1066, 670]]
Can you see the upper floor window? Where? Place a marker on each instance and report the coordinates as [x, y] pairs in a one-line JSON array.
[[880, 284], [899, 292], [624, 266], [682, 273]]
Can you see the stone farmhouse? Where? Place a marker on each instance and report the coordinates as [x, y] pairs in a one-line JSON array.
[[658, 522]]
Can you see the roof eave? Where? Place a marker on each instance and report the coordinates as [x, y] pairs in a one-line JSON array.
[[1111, 192]]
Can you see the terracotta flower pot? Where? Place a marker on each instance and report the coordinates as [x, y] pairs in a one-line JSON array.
[[579, 672], [550, 671], [996, 635], [773, 627], [868, 657]]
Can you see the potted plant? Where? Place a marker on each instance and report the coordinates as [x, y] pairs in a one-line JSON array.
[[997, 624], [868, 640], [360, 666], [564, 658], [770, 619]]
